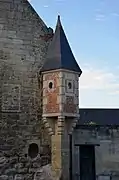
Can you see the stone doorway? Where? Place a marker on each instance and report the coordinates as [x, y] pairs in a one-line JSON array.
[[87, 162]]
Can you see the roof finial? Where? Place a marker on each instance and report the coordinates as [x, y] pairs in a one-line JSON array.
[[59, 17], [58, 21]]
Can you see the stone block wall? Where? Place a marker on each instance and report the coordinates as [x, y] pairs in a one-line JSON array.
[[106, 141], [22, 52]]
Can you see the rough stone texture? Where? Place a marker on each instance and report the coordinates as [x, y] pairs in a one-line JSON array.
[[22, 52], [106, 154], [45, 173]]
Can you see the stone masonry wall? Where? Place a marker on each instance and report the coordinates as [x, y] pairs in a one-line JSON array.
[[106, 154], [22, 51]]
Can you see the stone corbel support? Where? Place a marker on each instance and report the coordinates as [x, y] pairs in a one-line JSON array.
[[60, 125], [48, 125], [72, 125]]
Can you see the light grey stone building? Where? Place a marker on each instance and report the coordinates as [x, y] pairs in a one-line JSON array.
[[95, 145]]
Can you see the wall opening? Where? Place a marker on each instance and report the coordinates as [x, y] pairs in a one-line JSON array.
[[33, 150], [69, 85], [87, 162], [50, 85]]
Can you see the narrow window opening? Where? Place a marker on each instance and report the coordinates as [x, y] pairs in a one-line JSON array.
[[69, 85]]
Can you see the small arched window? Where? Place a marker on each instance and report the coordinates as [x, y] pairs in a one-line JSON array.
[[70, 85], [33, 150], [50, 85]]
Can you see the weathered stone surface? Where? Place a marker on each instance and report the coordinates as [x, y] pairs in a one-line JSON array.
[[4, 177], [45, 173], [106, 153], [22, 52]]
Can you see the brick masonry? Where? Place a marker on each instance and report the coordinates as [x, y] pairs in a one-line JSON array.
[[51, 95], [22, 52], [60, 99]]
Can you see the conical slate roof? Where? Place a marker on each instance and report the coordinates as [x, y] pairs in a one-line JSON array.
[[59, 54]]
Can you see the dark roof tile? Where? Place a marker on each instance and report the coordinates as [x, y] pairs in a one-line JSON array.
[[99, 116], [59, 54]]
